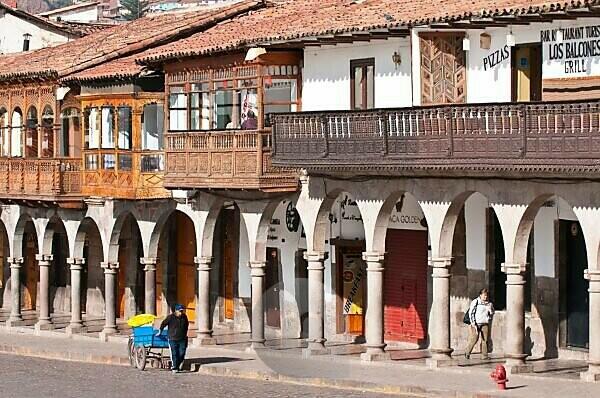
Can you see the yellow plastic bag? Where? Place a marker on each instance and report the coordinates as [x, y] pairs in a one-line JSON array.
[[141, 320]]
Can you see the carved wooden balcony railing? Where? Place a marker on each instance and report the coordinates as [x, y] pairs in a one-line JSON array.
[[231, 159], [516, 139], [40, 179]]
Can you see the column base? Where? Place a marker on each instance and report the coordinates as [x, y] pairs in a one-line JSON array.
[[44, 324], [75, 328], [14, 322], [441, 358], [592, 375], [107, 331], [375, 356], [515, 364], [204, 341], [256, 345], [315, 348]]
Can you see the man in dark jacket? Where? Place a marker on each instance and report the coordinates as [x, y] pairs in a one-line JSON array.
[[177, 324]]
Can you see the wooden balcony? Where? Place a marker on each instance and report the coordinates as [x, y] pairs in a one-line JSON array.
[[46, 180], [517, 140], [231, 159]]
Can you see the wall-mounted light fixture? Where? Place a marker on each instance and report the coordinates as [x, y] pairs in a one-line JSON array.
[[510, 39], [466, 43], [396, 59], [254, 53]]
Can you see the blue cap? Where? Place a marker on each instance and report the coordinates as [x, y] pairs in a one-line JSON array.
[[179, 307]]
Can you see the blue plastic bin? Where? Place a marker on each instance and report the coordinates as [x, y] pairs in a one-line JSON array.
[[146, 336]]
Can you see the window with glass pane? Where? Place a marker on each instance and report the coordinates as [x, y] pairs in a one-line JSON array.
[[92, 136], [108, 138], [47, 132], [108, 161], [248, 100], [125, 161], [280, 96], [152, 127], [124, 140], [224, 108], [177, 109], [5, 132], [362, 76], [152, 163], [31, 133], [200, 107], [91, 162]]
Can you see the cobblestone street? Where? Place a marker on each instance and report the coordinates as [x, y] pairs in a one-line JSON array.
[[71, 379]]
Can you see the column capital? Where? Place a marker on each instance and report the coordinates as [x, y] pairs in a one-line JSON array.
[[76, 263], [257, 268], [15, 262], [316, 256], [441, 262], [109, 268], [44, 260], [513, 269], [204, 263], [373, 257], [149, 263], [592, 275]]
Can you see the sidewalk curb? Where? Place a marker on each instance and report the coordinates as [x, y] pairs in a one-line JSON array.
[[64, 356], [224, 371]]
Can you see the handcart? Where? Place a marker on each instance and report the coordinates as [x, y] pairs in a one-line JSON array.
[[146, 346]]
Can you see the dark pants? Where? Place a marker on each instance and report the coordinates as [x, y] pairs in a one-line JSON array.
[[178, 348]]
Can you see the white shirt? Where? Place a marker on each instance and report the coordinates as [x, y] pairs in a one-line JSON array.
[[480, 312]]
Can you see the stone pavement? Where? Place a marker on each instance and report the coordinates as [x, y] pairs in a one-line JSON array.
[[408, 377]]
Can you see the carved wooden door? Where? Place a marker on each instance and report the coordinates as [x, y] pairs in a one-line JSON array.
[[186, 274], [443, 71], [31, 273]]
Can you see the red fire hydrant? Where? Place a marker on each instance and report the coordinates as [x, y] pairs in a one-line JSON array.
[[499, 376]]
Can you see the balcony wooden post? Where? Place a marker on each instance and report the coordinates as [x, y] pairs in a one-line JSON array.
[[523, 128], [325, 126], [382, 118], [259, 154]]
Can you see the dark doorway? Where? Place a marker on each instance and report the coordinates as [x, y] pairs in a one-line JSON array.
[[272, 288], [574, 260], [527, 72]]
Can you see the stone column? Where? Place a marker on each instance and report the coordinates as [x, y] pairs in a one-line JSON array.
[[593, 372], [149, 264], [257, 271], [316, 304], [15, 318], [76, 324], [515, 318], [374, 317], [439, 321], [44, 322], [110, 290], [203, 316]]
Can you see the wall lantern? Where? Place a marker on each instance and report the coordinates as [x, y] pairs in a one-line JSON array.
[[560, 37], [485, 41], [254, 53], [26, 41], [466, 44], [510, 39], [396, 59]]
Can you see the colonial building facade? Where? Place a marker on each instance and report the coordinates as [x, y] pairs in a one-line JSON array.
[[357, 181]]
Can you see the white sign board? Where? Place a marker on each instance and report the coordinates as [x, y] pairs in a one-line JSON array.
[[571, 51]]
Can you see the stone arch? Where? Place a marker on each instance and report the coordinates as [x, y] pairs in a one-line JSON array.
[[86, 226], [4, 269], [16, 127], [319, 233], [55, 224], [113, 244], [19, 233], [521, 239]]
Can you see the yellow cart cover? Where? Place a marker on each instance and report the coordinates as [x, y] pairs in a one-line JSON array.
[[141, 320]]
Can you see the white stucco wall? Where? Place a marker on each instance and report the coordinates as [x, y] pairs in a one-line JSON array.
[[476, 231], [12, 30], [81, 15], [326, 74]]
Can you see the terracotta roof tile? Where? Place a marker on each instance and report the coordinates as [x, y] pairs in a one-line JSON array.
[[292, 19], [116, 42]]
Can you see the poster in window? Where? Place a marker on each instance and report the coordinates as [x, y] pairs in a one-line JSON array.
[[353, 275]]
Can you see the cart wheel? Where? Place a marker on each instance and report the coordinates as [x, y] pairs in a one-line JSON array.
[[140, 358], [131, 351]]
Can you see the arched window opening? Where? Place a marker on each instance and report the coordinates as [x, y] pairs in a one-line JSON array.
[[4, 132], [47, 132], [69, 139], [31, 133], [16, 133]]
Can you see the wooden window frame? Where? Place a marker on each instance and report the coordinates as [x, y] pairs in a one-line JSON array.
[[363, 63]]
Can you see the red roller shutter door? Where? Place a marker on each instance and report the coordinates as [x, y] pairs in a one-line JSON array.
[[405, 286]]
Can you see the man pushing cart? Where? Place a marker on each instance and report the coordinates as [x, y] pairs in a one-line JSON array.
[[145, 338]]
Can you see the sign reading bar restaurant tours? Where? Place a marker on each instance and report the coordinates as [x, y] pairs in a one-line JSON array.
[[576, 54]]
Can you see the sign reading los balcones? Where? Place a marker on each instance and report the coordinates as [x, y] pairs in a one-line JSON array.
[[577, 53]]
